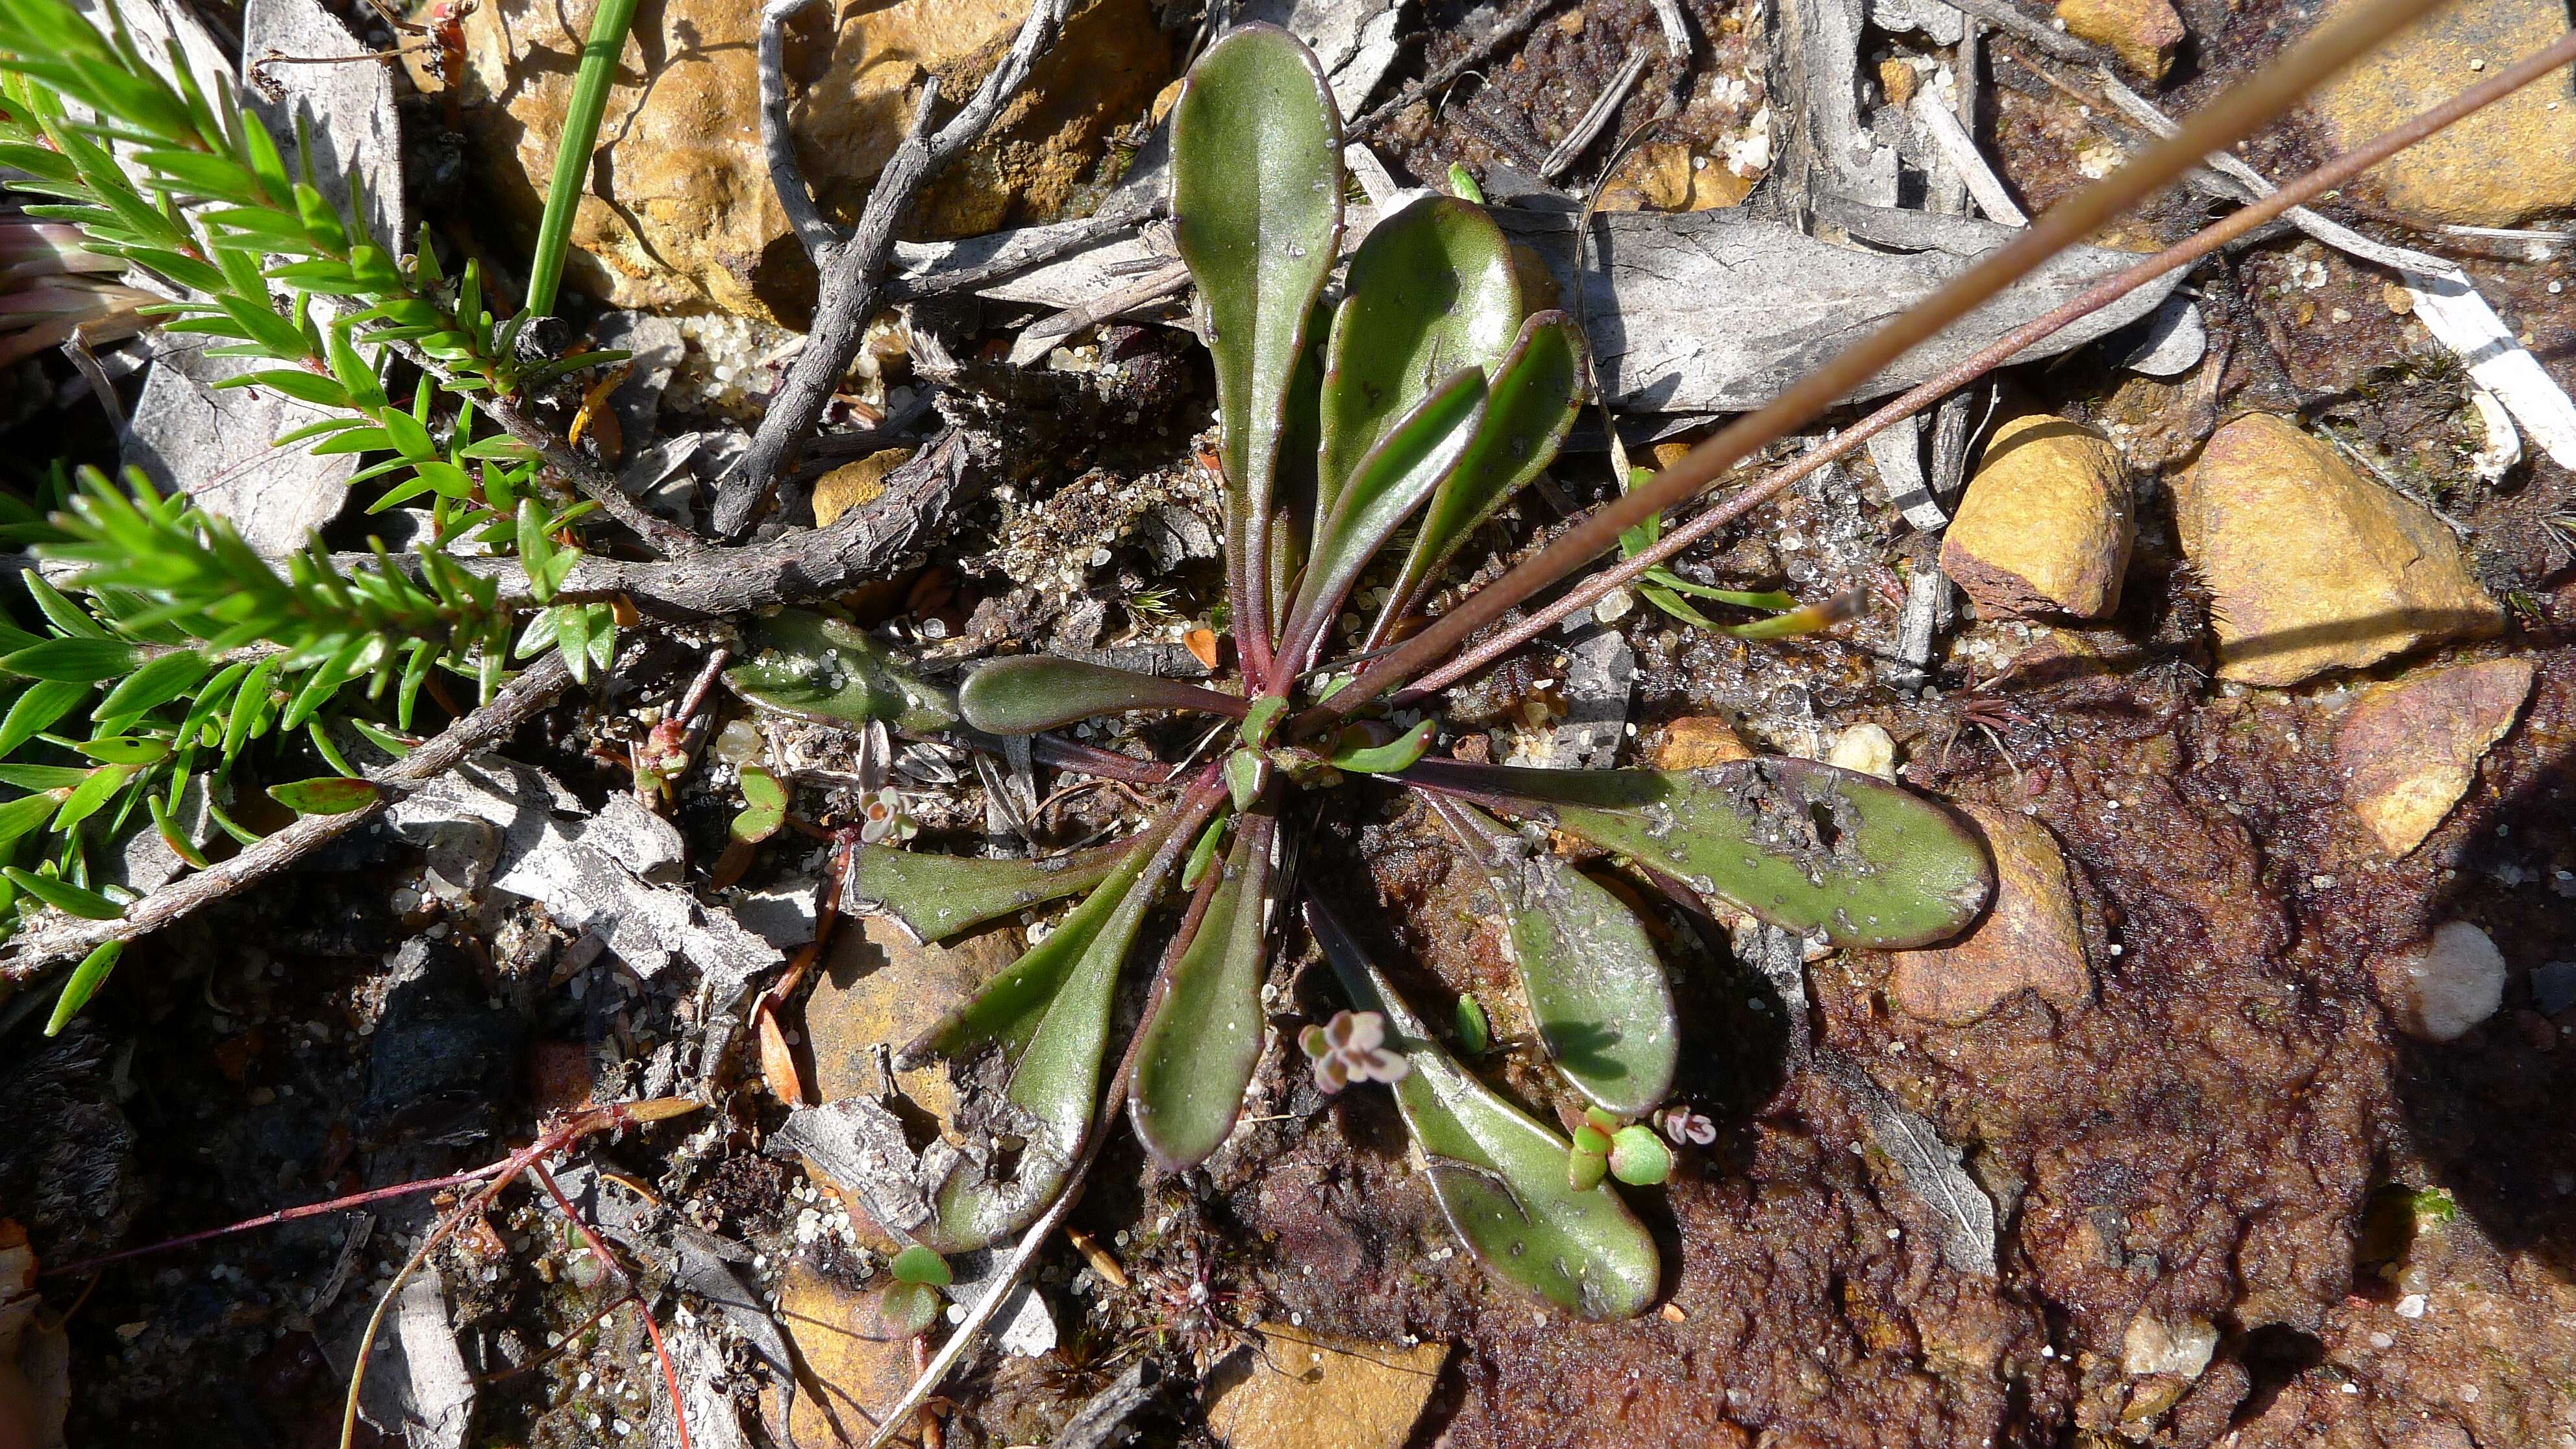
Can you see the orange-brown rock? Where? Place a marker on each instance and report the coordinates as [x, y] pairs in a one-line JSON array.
[[2145, 34], [2311, 566], [2030, 940], [2507, 163], [2407, 751], [681, 215], [2045, 527]]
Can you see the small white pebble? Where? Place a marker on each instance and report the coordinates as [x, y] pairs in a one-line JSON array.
[[2381, 1340], [2411, 1306]]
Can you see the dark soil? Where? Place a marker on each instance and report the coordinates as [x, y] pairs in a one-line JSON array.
[[2230, 1133]]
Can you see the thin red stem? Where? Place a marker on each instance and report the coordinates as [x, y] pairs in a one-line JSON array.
[[283, 1215], [652, 1330], [2226, 120]]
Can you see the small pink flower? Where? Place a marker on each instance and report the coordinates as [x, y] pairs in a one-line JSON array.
[[1352, 1048], [882, 817], [1683, 1126]]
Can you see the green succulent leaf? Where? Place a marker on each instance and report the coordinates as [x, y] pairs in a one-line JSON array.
[[917, 1264], [1638, 1157], [937, 896], [906, 1309], [1499, 1174], [1531, 404], [1593, 982], [1417, 452], [1031, 692], [86, 979], [1431, 291], [1202, 1033], [1036, 1032], [1475, 1034], [1796, 843], [1257, 215], [1396, 754], [814, 667], [764, 806], [325, 795]]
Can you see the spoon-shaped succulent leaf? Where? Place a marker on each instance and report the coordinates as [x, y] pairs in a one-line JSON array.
[[1030, 1043], [815, 667], [1202, 1033], [1798, 844], [1391, 483], [1257, 215], [1591, 977], [1537, 390], [1500, 1175], [1031, 692], [935, 896], [1431, 290]]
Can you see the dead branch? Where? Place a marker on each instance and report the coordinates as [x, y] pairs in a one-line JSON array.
[[55, 936], [854, 269], [778, 139]]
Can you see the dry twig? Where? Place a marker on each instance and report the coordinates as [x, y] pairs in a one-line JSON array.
[[854, 267]]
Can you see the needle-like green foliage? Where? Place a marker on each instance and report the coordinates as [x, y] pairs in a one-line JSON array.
[[139, 681]]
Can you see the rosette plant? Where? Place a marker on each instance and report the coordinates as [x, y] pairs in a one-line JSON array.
[[1427, 394]]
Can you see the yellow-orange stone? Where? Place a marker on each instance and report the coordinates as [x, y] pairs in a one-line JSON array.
[[2311, 566], [2030, 939], [2046, 525], [2407, 750], [2145, 34], [2508, 162]]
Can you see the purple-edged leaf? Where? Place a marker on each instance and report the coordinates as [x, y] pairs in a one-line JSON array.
[[1028, 1048], [1032, 692], [1202, 1034], [815, 667], [1591, 977], [1798, 844], [1390, 484], [1431, 291], [1499, 1174], [936, 896], [1530, 405], [1257, 215]]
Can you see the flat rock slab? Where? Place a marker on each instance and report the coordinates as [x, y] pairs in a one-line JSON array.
[[2407, 751], [846, 1353], [1307, 1391], [880, 989]]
